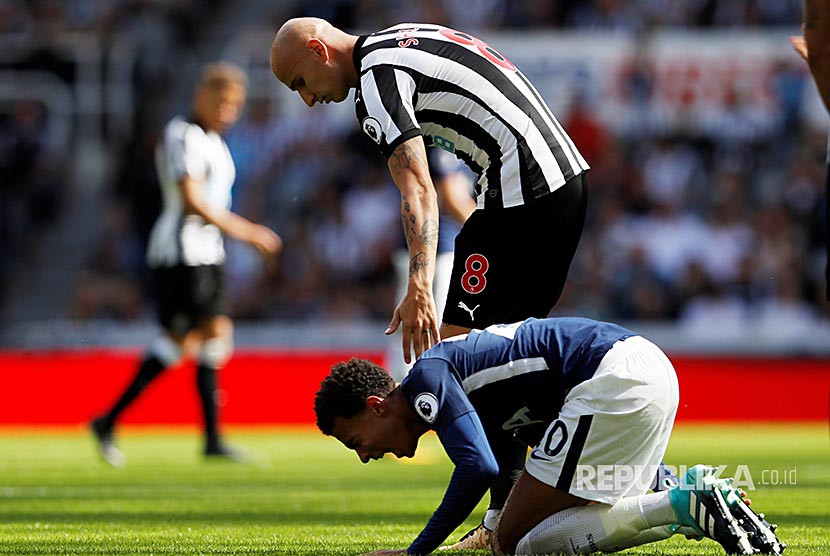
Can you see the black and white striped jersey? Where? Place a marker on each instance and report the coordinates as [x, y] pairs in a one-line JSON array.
[[186, 149], [464, 97]]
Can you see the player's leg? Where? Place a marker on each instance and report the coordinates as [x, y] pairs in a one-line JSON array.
[[606, 447], [166, 350], [393, 361], [215, 350], [163, 352], [216, 331], [583, 529], [529, 503]]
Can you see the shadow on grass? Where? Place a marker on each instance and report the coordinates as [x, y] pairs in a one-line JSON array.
[[146, 519]]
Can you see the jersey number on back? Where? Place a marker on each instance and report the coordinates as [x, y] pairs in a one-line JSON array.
[[486, 50]]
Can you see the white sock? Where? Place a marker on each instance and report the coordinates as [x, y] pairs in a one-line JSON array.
[[491, 519], [584, 529]]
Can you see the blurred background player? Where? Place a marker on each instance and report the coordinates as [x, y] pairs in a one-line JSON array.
[[455, 204], [814, 47], [186, 251]]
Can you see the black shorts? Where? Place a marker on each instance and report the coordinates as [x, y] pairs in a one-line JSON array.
[[188, 295], [511, 264]]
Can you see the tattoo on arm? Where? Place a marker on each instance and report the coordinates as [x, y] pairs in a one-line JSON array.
[[810, 14], [418, 262], [429, 232], [404, 156], [408, 227]]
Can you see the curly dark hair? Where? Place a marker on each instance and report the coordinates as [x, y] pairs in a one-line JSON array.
[[343, 393]]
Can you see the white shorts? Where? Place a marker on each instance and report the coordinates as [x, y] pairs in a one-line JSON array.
[[613, 429]]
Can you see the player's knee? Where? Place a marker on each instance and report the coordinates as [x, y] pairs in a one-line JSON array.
[[215, 352], [166, 350]]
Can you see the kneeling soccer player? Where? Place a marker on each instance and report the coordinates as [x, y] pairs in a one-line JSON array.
[[586, 396]]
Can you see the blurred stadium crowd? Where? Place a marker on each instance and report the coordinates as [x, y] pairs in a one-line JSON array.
[[719, 224]]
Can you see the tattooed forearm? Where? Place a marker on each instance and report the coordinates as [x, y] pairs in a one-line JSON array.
[[810, 14], [429, 232], [408, 222], [418, 262], [404, 156]]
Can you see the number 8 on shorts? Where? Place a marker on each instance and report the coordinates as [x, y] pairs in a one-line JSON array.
[[475, 267]]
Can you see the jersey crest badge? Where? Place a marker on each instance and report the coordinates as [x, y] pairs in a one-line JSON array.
[[426, 405], [371, 127]]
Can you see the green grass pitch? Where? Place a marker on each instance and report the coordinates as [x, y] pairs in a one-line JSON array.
[[308, 495]]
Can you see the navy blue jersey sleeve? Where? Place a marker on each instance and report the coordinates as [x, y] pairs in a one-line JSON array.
[[475, 468], [436, 395]]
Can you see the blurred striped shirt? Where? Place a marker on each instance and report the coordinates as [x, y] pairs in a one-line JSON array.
[[187, 150]]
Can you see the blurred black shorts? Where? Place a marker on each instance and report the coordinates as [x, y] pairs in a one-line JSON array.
[[511, 264], [188, 295]]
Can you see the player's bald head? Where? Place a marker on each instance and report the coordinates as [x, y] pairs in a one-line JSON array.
[[290, 42]]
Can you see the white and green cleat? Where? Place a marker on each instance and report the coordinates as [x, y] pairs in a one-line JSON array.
[[702, 502]]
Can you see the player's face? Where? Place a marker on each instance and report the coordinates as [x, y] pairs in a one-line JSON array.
[[372, 436], [316, 80], [220, 108]]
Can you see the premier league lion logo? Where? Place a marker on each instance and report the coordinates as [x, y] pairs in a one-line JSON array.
[[426, 405], [371, 127]]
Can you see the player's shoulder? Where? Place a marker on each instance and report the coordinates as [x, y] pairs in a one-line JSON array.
[[182, 129], [430, 362], [397, 39]]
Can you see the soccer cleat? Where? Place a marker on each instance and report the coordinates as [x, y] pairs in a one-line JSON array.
[[699, 503], [761, 532], [227, 453], [475, 539], [106, 448]]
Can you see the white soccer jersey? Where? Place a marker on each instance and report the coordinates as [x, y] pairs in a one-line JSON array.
[[186, 149], [466, 98]]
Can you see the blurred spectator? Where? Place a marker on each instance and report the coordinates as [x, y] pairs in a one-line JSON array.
[[30, 189], [728, 241]]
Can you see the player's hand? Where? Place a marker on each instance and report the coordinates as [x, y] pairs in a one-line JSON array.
[[416, 316], [800, 45], [265, 240]]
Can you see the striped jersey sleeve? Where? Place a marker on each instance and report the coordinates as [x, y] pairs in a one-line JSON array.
[[463, 96]]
